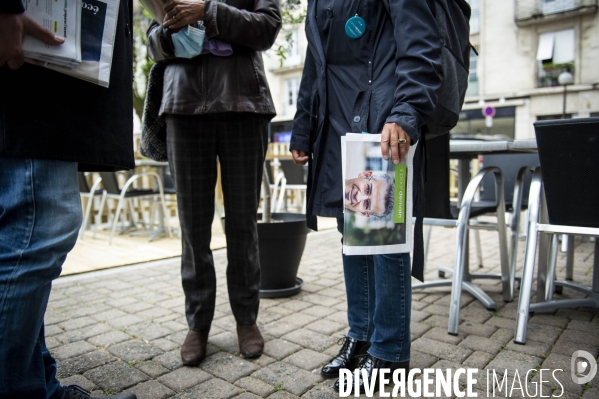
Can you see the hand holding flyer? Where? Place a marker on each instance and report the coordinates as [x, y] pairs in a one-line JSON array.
[[377, 198], [62, 18], [98, 30]]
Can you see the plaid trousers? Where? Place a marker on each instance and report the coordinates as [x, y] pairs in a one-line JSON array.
[[194, 144]]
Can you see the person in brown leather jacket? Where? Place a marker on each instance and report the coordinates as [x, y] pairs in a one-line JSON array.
[[218, 107]]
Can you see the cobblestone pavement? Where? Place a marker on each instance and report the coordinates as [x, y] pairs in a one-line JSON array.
[[121, 330]]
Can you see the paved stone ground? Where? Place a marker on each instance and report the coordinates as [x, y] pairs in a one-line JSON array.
[[121, 330]]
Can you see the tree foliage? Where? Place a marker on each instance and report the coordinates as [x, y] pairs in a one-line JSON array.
[[292, 13], [141, 63]]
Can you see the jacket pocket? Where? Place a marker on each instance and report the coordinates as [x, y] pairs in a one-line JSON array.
[[253, 80]]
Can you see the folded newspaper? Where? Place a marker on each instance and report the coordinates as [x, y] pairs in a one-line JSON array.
[[61, 17], [98, 31], [89, 28], [377, 196]]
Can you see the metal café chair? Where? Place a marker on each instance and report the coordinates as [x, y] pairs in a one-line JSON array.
[[517, 174], [125, 194], [563, 199], [90, 193], [438, 212]]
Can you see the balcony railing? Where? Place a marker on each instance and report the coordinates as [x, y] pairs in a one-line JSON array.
[[528, 11]]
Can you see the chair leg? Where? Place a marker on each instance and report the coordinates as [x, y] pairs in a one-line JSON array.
[[282, 196], [137, 218], [478, 248], [513, 244], [116, 218], [543, 252], [458, 273], [427, 241], [88, 207], [551, 266], [164, 217], [526, 287], [534, 201], [126, 208], [570, 258], [99, 215]]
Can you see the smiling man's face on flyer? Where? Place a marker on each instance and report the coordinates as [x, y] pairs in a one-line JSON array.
[[366, 195]]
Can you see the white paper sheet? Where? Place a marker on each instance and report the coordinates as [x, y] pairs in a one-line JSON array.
[[373, 203], [98, 30], [61, 17]]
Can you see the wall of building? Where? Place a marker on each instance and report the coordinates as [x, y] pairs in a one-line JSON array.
[[508, 68], [504, 52]]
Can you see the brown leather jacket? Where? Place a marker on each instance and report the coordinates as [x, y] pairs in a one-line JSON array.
[[213, 84]]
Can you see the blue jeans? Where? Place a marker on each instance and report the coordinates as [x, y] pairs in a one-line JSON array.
[[40, 216], [379, 302]]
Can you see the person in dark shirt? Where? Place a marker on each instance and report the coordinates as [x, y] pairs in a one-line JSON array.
[[45, 138]]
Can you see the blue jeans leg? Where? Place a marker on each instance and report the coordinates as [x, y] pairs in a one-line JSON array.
[[40, 215], [379, 301], [391, 339]]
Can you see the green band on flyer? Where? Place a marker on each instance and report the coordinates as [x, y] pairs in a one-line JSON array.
[[399, 205]]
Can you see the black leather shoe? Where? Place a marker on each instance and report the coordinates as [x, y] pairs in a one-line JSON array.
[[370, 363], [346, 357]]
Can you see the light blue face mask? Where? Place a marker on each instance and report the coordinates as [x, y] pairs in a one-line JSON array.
[[189, 42]]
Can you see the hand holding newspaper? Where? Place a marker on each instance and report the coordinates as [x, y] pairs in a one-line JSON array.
[[89, 27], [377, 197], [61, 17]]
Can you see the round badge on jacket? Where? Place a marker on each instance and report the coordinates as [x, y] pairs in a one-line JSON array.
[[355, 27]]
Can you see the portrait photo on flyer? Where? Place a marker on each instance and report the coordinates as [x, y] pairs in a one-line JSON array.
[[377, 197]]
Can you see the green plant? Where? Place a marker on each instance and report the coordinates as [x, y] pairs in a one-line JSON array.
[[141, 63], [292, 14]]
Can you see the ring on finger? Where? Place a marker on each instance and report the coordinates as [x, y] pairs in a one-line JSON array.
[[402, 141]]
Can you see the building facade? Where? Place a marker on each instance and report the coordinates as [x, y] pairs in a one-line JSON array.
[[521, 49]]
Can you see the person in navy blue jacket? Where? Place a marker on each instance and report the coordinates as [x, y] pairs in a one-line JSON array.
[[51, 125], [378, 76]]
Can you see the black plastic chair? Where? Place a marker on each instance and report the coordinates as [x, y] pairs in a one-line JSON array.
[[563, 200], [295, 179]]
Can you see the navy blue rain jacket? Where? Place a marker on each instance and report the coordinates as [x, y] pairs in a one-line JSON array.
[[390, 74]]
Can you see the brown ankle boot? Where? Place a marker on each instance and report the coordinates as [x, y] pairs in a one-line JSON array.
[[251, 343], [193, 350]]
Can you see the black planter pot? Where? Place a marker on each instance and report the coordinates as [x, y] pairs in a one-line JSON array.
[[281, 244]]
